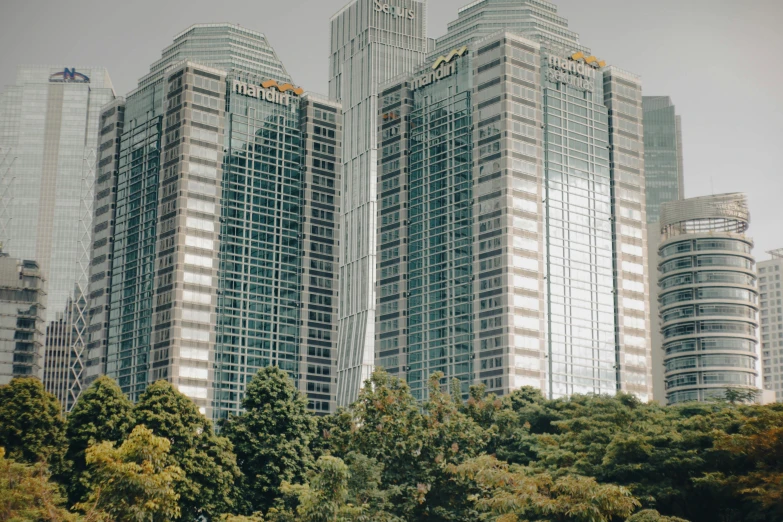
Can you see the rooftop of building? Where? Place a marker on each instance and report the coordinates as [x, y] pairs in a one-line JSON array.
[[713, 213], [226, 46]]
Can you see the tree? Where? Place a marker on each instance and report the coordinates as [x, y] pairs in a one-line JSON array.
[[135, 481], [255, 517], [324, 498], [26, 493], [272, 438], [757, 449], [31, 427], [668, 457], [337, 491], [208, 461], [740, 395], [412, 445], [515, 493], [102, 413], [650, 515]]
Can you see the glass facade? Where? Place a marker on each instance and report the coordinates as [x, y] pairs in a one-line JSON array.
[[557, 210], [440, 251], [258, 282], [708, 298], [663, 164], [369, 46], [227, 197], [579, 242], [49, 124], [133, 256]]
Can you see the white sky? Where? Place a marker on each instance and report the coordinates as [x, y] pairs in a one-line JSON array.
[[719, 60]]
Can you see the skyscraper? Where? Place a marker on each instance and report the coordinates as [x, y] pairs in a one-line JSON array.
[[371, 42], [522, 203], [663, 165], [664, 181], [48, 139], [227, 183], [708, 298], [22, 310], [771, 305], [104, 220]]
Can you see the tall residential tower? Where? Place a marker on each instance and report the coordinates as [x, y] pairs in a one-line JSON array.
[[512, 207], [49, 125], [708, 299], [771, 305], [372, 41]]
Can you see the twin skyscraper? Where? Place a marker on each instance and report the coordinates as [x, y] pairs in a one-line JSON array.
[[473, 204], [493, 203]]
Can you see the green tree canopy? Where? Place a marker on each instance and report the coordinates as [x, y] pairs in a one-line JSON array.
[[135, 481], [513, 493], [209, 487], [26, 494], [102, 413], [272, 438], [412, 444], [31, 427], [651, 515], [337, 491]]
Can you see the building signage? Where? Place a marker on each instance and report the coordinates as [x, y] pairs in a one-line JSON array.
[[577, 70], [733, 209], [442, 68], [69, 76], [393, 10], [269, 91]]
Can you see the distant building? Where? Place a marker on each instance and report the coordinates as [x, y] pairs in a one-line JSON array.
[[49, 125], [511, 212], [22, 312], [771, 304], [708, 299], [216, 238], [663, 159], [664, 182], [59, 337]]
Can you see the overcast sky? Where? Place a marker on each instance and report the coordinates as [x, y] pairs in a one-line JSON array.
[[719, 60]]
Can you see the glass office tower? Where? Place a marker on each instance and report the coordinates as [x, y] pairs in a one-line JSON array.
[[371, 42], [663, 166], [708, 298], [227, 183], [556, 207], [49, 125]]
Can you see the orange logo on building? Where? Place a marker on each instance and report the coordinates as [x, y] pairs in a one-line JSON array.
[[590, 60], [282, 88]]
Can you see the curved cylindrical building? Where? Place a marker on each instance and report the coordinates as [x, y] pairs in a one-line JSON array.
[[708, 298]]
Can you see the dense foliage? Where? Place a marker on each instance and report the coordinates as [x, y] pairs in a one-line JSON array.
[[387, 458], [207, 460], [272, 438], [102, 414]]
